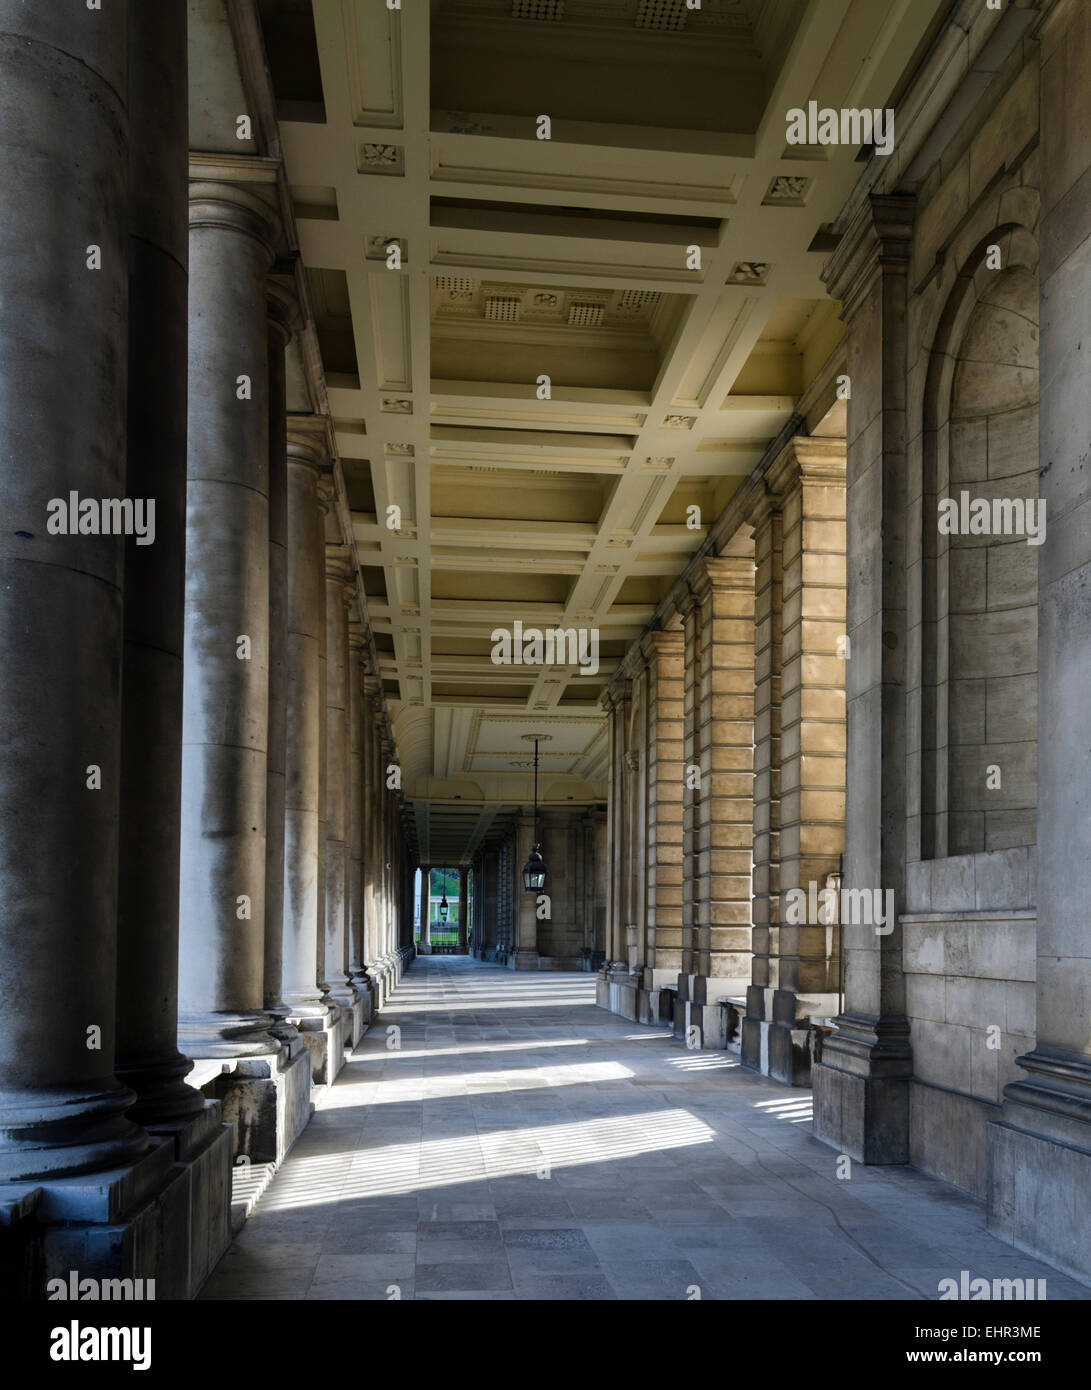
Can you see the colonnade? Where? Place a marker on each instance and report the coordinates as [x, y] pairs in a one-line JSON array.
[[203, 868], [727, 776]]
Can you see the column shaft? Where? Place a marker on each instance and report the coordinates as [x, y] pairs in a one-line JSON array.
[[463, 906], [304, 696], [526, 921], [283, 314], [155, 574], [62, 431], [339, 593], [225, 707], [357, 945]]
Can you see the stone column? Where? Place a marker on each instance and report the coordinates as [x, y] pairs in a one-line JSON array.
[[283, 317], [340, 591], [155, 574], [525, 956], [425, 913], [357, 944], [64, 161], [861, 1087], [463, 906], [369, 685], [506, 893], [325, 497], [306, 461], [1040, 1152], [225, 707], [602, 866]]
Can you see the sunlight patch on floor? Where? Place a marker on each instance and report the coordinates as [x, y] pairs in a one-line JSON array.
[[535, 1150]]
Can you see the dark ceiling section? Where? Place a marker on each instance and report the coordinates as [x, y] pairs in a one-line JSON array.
[[292, 52]]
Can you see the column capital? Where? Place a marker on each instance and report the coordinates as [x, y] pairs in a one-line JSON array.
[[722, 572], [326, 489], [340, 569], [877, 238], [616, 695], [357, 637], [307, 449], [659, 643], [282, 306], [806, 459], [234, 207]]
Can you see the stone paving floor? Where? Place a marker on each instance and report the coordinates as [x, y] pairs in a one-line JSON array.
[[512, 1141]]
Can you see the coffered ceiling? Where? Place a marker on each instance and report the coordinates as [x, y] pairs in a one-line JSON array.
[[543, 353]]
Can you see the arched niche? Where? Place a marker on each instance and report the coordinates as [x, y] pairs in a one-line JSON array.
[[979, 649]]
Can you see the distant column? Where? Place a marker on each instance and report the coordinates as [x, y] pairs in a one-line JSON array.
[[357, 945], [306, 460], [463, 906], [340, 591], [526, 940]]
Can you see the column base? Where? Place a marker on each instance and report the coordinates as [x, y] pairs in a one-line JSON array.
[[347, 999], [700, 1026], [164, 1218], [624, 994], [363, 1006], [267, 1100], [227, 1035], [861, 1089], [523, 960], [1040, 1163], [783, 1033], [324, 1040]]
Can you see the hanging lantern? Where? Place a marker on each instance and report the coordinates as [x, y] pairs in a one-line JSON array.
[[534, 870]]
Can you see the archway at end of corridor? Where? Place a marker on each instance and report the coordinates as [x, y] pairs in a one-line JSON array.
[[443, 907]]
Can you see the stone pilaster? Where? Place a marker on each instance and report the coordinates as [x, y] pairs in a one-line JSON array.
[[690, 619], [225, 707], [617, 705], [664, 654], [725, 591], [803, 607], [635, 844], [1040, 1151], [767, 522], [861, 1086]]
